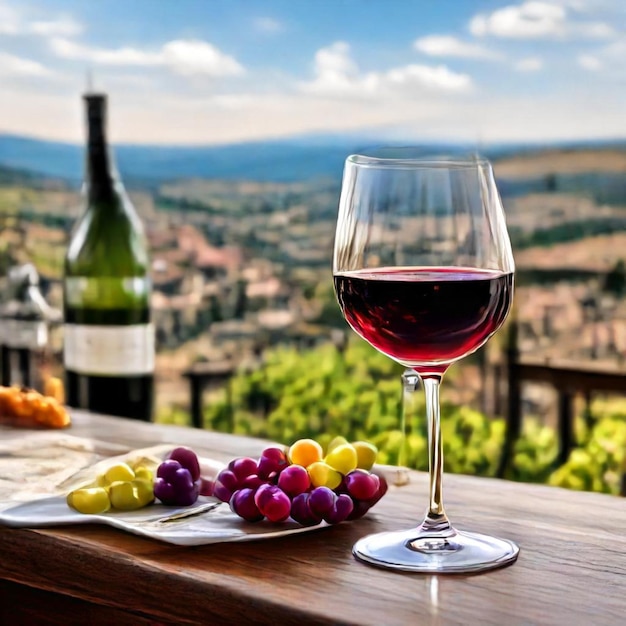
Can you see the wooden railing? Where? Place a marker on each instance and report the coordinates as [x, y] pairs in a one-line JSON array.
[[568, 379]]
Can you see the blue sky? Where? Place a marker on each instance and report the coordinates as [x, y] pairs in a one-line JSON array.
[[220, 71]]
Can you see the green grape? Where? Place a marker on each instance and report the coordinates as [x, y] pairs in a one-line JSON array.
[[90, 500]]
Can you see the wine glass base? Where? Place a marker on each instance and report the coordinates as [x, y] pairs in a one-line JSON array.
[[459, 552]]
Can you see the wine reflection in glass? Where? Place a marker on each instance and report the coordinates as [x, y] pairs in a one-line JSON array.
[[423, 271]]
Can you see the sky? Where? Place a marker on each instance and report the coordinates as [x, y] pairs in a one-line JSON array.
[[226, 71]]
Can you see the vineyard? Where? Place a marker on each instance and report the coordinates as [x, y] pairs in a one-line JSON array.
[[356, 393]]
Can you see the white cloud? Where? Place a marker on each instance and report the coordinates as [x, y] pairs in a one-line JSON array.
[[11, 65], [191, 57], [16, 23], [337, 75], [589, 62], [9, 20], [61, 27], [187, 57], [535, 19], [268, 25], [529, 64], [447, 45]]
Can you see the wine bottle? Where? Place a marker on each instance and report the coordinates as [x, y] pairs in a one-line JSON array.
[[108, 335]]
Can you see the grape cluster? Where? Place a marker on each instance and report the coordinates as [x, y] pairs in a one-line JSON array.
[[302, 483], [178, 481], [120, 487], [126, 487]]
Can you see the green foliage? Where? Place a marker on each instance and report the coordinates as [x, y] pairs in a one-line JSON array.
[[600, 464], [323, 393]]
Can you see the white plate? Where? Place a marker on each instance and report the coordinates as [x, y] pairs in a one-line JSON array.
[[38, 470], [206, 522]]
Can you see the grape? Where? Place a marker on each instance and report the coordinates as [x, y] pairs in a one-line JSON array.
[[341, 509], [119, 471], [174, 484], [366, 454], [337, 441], [242, 504], [362, 485], [92, 500], [343, 458], [359, 510], [301, 512], [361, 507], [124, 496], [273, 502], [252, 481], [294, 480], [323, 475], [243, 467], [272, 460], [382, 490], [168, 468], [225, 485], [188, 459], [321, 500], [305, 451]]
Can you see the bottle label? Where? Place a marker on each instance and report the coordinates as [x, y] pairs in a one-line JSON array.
[[109, 350]]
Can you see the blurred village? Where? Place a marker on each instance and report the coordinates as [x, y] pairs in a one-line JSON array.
[[239, 267]]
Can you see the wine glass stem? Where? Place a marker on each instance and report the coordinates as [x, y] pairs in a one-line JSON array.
[[436, 518]]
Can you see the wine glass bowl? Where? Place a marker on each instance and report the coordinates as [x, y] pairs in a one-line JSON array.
[[423, 271]]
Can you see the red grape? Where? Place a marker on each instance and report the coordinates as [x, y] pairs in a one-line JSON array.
[[243, 467], [272, 460], [188, 459], [362, 485], [294, 480], [273, 502]]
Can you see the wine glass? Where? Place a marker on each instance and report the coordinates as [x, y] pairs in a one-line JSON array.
[[423, 271]]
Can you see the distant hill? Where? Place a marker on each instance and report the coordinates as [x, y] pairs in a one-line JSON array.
[[274, 161], [286, 160]]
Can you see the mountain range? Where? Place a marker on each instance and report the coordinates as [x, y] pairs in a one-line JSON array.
[[287, 160]]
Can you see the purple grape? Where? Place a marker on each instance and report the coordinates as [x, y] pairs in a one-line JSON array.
[[164, 490], [272, 460], [321, 500], [273, 502], [359, 510], [168, 468], [242, 504], [178, 489], [341, 510], [301, 512], [225, 485], [243, 467], [252, 481], [188, 459], [294, 480], [362, 485]]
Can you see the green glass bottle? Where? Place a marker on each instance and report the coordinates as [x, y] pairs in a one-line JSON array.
[[108, 334]]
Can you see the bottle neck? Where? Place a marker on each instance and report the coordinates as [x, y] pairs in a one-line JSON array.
[[101, 174]]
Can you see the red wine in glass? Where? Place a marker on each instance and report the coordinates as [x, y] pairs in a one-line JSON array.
[[425, 316]]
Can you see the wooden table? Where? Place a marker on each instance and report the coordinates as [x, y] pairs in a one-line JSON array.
[[571, 570]]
